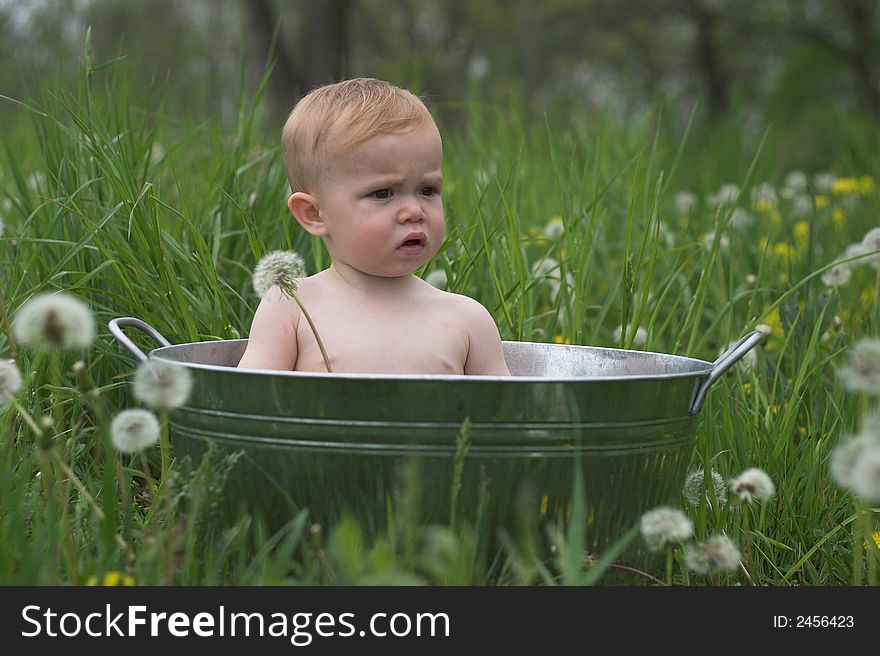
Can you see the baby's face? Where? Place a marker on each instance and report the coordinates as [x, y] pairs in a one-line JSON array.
[[380, 203]]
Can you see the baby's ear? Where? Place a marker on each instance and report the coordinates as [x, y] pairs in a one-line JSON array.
[[304, 208]]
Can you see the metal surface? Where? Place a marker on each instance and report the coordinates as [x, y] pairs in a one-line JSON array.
[[332, 442]]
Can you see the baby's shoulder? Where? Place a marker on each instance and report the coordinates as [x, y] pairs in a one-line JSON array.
[[461, 305]]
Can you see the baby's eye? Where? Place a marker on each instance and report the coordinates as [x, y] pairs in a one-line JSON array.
[[429, 191], [381, 194]]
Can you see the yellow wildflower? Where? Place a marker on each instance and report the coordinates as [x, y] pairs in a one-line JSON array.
[[802, 232], [851, 186], [867, 297], [764, 205], [876, 536], [774, 321], [544, 500], [112, 578], [775, 216], [784, 251], [558, 339], [821, 202], [535, 236], [837, 218]]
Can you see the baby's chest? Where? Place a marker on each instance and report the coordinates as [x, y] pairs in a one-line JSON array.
[[411, 342]]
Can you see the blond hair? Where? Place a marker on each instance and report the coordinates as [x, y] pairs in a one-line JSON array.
[[335, 117]]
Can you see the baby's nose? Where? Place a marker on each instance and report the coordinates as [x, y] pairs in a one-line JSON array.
[[411, 210]]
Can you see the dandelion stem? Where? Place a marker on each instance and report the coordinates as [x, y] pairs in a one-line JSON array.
[[669, 560], [164, 445], [746, 535], [462, 444], [148, 479], [877, 287], [858, 548], [869, 545], [633, 570], [305, 312], [7, 327], [99, 513], [27, 419]]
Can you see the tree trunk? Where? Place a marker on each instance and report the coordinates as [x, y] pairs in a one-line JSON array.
[[862, 56], [714, 79], [286, 83], [325, 41]]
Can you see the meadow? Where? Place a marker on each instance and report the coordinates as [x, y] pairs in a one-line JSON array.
[[686, 234]]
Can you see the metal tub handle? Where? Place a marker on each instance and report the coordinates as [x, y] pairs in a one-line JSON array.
[[727, 359], [116, 326]]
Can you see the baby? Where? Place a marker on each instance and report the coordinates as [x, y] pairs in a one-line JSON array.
[[364, 161]]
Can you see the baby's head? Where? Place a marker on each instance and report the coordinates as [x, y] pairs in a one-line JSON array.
[[335, 118], [364, 161]]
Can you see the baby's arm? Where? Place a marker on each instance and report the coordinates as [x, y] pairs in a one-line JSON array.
[[485, 354], [272, 340]]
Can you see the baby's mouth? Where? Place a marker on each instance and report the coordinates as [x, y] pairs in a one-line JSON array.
[[413, 241]]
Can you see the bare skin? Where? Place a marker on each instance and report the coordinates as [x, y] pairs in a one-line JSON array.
[[412, 328], [379, 212]]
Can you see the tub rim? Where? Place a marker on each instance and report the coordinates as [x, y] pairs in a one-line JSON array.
[[706, 369]]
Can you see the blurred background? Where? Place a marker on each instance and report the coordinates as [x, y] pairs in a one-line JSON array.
[[803, 67]]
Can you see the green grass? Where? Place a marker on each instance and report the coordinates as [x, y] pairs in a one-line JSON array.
[[141, 214]]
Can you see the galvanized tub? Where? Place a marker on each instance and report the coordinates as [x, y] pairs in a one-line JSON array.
[[336, 442]]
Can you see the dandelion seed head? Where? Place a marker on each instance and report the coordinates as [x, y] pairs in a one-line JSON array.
[[764, 194], [665, 526], [554, 228], [865, 475], [847, 454], [871, 425], [708, 240], [741, 219], [279, 269], [871, 242], [796, 181], [544, 267], [748, 361], [855, 250], [162, 385], [547, 271], [694, 488], [10, 380], [753, 485], [133, 431], [640, 339], [686, 203], [802, 205], [824, 182], [726, 195], [862, 373], [717, 554], [837, 276], [54, 321], [437, 278]]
